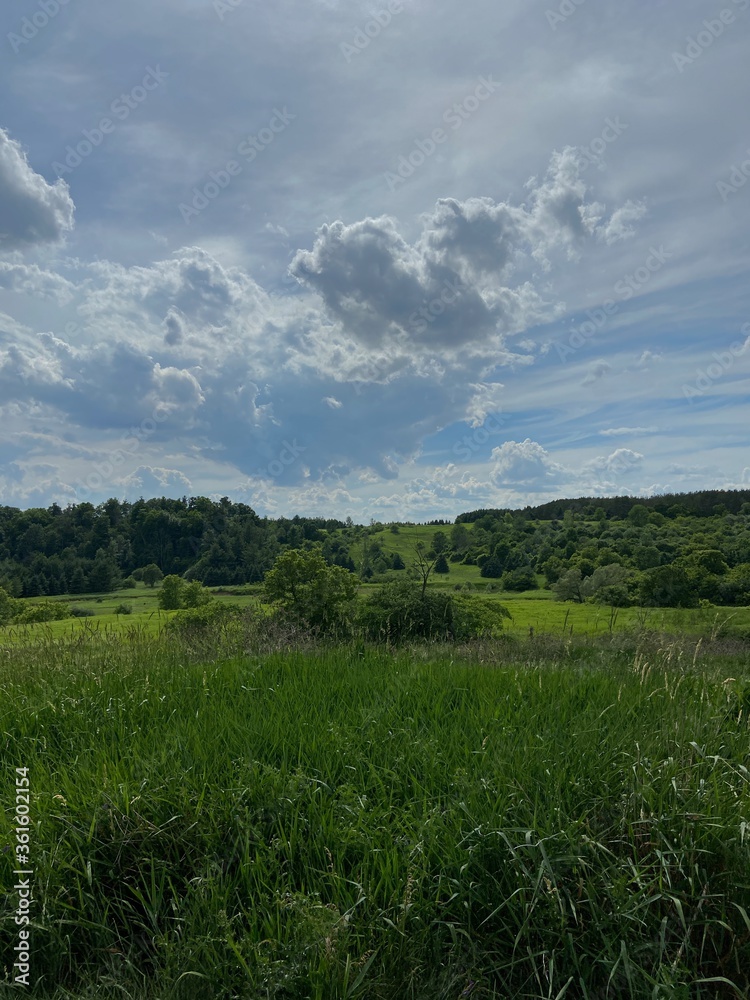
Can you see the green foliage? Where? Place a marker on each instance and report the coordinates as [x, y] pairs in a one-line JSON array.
[[492, 568], [668, 587], [400, 612], [519, 579], [440, 542], [124, 609], [170, 594], [569, 586], [309, 591], [194, 595], [175, 593], [205, 620], [473, 618], [40, 611], [151, 575], [441, 564], [15, 611]]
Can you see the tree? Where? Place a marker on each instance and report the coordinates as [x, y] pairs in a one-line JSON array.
[[492, 568], [397, 562], [194, 595], [638, 515], [423, 565], [170, 594], [151, 575], [439, 542], [523, 578], [308, 590], [668, 587], [441, 564], [606, 583], [568, 587], [104, 573], [460, 538]]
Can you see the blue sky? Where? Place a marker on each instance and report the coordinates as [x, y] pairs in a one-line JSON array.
[[392, 260]]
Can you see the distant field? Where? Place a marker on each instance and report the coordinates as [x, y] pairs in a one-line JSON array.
[[535, 609]]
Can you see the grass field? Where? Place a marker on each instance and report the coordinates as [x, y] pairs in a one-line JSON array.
[[533, 609], [535, 820]]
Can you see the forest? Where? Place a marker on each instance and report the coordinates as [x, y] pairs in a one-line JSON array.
[[663, 551]]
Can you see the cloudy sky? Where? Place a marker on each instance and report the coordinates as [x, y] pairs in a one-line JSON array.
[[390, 259]]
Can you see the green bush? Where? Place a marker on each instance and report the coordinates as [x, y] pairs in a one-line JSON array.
[[519, 579], [124, 609], [44, 611], [205, 620], [399, 612], [474, 618]]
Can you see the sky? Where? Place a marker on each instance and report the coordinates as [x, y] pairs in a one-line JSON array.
[[392, 260]]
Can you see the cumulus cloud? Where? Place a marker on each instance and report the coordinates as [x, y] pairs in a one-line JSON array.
[[525, 464], [467, 281], [150, 481], [620, 225], [32, 211], [618, 463], [32, 280]]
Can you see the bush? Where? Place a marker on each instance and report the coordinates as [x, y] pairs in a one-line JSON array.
[[520, 579], [44, 611], [399, 612], [129, 583], [205, 620], [124, 609], [474, 618], [76, 612]]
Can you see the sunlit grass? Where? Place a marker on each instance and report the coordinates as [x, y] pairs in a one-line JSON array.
[[531, 821]]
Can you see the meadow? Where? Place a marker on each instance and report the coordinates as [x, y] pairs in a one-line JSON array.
[[567, 816]]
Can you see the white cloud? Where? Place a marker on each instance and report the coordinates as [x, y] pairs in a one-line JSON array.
[[32, 212]]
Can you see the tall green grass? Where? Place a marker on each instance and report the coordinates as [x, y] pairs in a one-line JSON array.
[[548, 820]]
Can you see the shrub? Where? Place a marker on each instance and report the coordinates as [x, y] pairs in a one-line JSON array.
[[474, 618], [205, 620], [124, 609], [76, 612], [44, 611], [520, 579], [129, 583], [399, 612]]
